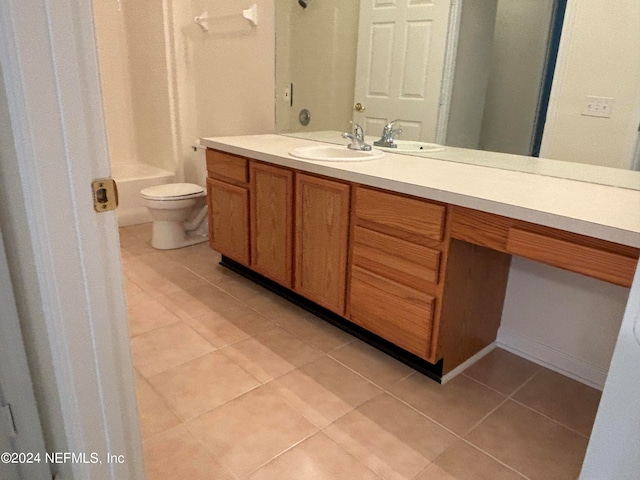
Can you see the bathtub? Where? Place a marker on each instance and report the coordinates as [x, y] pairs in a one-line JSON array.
[[131, 178]]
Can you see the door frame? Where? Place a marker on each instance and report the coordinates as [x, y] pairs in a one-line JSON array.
[[51, 75]]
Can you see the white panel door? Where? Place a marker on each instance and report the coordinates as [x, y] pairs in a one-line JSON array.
[[401, 52]]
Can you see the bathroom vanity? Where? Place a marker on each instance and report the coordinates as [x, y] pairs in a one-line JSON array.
[[411, 254]]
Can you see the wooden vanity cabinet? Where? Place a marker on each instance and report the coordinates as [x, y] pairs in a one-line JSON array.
[[272, 222], [427, 277], [321, 240], [228, 201]]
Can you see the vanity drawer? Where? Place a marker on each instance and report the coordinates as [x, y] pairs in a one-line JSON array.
[[587, 260], [397, 313], [227, 167], [409, 218], [405, 262]]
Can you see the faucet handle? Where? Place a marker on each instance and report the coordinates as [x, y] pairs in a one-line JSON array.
[[389, 126], [358, 131]]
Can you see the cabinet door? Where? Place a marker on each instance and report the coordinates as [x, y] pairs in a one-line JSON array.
[[322, 222], [272, 222], [229, 220]]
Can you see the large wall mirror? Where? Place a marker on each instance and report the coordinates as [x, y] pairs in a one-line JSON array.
[[474, 74]]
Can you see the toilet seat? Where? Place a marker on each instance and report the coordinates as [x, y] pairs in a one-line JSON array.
[[172, 191]]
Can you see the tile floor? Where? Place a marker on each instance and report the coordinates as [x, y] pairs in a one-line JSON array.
[[235, 383]]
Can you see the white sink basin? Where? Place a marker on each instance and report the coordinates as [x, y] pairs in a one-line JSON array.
[[334, 153], [405, 146]]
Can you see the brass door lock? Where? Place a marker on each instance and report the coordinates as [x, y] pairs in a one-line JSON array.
[[105, 194]]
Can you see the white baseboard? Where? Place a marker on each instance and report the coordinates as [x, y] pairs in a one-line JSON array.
[[551, 358], [464, 365]]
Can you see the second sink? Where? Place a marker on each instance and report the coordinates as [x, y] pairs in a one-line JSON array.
[[405, 146]]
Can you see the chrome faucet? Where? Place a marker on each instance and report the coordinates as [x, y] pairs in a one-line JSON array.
[[389, 135], [357, 138]]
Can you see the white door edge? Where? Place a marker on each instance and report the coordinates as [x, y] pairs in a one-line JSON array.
[[48, 56]]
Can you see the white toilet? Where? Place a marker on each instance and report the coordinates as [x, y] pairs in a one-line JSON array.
[[179, 214]]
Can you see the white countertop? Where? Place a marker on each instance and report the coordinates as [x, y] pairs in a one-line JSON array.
[[600, 211]]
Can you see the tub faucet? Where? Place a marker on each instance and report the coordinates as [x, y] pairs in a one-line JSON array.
[[357, 138], [388, 138]]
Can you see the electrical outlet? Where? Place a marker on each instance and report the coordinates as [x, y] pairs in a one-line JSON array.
[[598, 107]]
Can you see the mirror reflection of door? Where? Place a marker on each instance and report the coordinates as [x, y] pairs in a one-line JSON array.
[[400, 62], [496, 93]]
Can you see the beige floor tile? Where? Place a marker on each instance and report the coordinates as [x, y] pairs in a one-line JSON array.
[[380, 368], [177, 454], [390, 438], [208, 300], [271, 354], [160, 349], [434, 472], [200, 385], [142, 231], [272, 305], [503, 371], [132, 289], [146, 314], [465, 462], [313, 330], [530, 443], [154, 272], [324, 390], [201, 260], [565, 400], [250, 430], [317, 458], [245, 318], [458, 405], [197, 301], [132, 245], [218, 331], [236, 285], [155, 415], [194, 255]]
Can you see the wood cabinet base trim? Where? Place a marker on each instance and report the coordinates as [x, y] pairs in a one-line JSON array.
[[433, 371]]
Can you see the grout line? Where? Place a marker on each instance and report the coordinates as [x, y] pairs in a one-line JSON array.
[[524, 384], [495, 459], [283, 452], [557, 422]]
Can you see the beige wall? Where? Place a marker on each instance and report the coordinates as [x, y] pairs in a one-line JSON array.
[[600, 56], [319, 61], [233, 69], [224, 78]]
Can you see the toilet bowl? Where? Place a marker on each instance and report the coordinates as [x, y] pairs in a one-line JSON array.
[[179, 214]]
